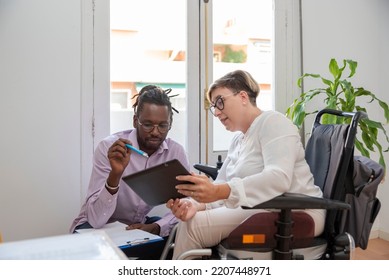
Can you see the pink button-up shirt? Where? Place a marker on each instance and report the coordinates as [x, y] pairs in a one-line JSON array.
[[125, 206]]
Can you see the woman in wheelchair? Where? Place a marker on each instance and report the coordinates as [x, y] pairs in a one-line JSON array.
[[265, 160]]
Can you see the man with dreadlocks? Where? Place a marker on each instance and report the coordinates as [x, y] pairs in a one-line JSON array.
[[108, 198]]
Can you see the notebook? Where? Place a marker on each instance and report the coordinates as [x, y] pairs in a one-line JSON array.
[[156, 185]]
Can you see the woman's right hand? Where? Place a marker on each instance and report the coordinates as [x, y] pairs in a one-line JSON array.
[[183, 209]]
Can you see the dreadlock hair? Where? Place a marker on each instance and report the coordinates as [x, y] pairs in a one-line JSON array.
[[153, 95]]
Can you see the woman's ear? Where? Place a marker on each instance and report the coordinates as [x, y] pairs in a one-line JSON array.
[[244, 96]]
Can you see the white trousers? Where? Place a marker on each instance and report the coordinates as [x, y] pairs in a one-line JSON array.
[[209, 227]]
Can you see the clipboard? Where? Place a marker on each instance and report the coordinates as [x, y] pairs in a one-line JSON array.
[[124, 238], [156, 185]]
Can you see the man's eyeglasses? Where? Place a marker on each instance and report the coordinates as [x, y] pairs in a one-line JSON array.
[[219, 103], [148, 127]]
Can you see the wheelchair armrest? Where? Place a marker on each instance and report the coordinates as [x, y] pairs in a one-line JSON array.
[[297, 201], [208, 170]]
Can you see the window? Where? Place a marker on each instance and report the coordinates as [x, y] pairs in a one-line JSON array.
[[161, 46]]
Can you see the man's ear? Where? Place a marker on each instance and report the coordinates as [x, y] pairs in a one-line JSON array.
[[171, 120], [135, 121]]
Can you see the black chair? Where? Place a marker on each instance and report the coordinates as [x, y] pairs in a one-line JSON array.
[[288, 233]]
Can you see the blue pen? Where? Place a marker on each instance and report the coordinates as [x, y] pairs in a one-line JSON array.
[[137, 151]]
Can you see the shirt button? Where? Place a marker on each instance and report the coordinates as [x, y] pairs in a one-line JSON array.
[[109, 200], [105, 214]]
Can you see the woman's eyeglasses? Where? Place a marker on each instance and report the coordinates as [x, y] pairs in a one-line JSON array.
[[219, 104], [148, 127]]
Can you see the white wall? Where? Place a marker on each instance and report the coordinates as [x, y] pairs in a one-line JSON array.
[[46, 91], [40, 116], [358, 30]]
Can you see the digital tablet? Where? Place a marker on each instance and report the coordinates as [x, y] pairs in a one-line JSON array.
[[156, 185]]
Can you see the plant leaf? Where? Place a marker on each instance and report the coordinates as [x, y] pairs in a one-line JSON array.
[[334, 69], [327, 82], [366, 137], [386, 109], [352, 66], [300, 80], [359, 145]]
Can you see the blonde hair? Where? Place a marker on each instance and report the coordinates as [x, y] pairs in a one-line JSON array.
[[236, 81]]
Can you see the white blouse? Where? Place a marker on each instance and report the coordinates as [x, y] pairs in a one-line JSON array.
[[265, 162]]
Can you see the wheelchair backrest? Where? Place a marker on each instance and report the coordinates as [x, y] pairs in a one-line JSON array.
[[330, 150], [324, 154]]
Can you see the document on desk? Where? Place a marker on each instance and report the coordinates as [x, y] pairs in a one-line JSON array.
[[125, 238]]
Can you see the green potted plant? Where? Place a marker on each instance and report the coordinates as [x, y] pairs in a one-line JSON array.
[[340, 94]]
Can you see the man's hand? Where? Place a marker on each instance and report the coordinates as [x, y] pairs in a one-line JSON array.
[[119, 155], [152, 228]]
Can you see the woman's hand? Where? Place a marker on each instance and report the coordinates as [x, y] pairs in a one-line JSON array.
[[202, 190], [183, 209]]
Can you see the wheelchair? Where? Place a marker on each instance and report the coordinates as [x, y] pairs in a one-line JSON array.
[[287, 234]]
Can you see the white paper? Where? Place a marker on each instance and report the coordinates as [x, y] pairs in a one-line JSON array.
[[122, 237]]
